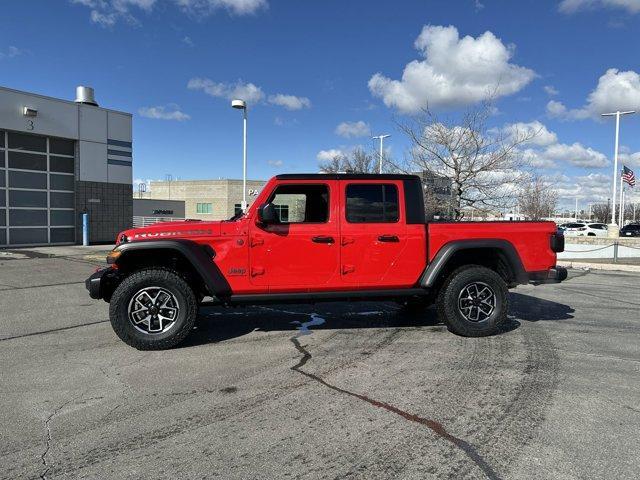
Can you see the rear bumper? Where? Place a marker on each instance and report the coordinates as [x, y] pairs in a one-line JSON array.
[[553, 275]]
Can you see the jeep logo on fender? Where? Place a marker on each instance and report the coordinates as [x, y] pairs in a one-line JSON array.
[[237, 271]]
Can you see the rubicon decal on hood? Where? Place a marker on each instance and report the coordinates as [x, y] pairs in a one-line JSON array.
[[172, 234]]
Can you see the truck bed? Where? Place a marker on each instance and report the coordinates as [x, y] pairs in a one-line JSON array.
[[530, 239]]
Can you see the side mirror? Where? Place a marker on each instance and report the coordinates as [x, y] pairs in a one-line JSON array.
[[267, 214]]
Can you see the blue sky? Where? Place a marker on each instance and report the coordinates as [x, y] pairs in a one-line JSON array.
[[310, 66]]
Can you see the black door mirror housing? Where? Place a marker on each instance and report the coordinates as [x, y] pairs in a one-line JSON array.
[[267, 214]]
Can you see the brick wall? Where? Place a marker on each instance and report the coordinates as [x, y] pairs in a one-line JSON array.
[[110, 209]]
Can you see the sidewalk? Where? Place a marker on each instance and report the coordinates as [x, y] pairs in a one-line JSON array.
[[629, 265], [92, 252]]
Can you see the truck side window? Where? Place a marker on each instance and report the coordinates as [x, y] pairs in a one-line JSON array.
[[302, 203], [372, 203]]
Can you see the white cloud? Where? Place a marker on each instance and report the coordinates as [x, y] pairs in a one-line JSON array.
[[454, 72], [290, 102], [538, 133], [353, 129], [326, 155], [545, 152], [245, 91], [103, 19], [235, 7], [537, 159], [573, 6], [577, 155], [616, 90], [629, 159], [551, 90], [275, 163], [187, 41], [170, 112], [11, 52], [248, 92], [107, 13]]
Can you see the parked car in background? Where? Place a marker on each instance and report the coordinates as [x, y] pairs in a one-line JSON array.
[[631, 230], [581, 229]]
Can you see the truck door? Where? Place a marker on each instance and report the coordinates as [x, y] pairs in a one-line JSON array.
[[301, 252], [372, 232]]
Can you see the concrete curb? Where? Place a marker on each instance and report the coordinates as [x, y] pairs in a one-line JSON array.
[[600, 266]]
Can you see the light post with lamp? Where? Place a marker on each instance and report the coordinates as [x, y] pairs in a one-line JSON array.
[[242, 105]]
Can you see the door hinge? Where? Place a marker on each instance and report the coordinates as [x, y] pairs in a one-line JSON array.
[[347, 241], [255, 271], [255, 241], [348, 269]]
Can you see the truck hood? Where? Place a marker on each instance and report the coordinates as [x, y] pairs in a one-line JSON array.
[[189, 229]]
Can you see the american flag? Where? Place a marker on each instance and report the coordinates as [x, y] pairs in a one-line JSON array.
[[628, 176]]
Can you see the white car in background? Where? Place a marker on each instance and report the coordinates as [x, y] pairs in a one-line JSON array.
[[581, 229]]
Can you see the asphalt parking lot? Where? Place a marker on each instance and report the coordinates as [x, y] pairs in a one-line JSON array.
[[327, 391]]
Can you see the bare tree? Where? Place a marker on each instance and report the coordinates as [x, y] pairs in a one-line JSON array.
[[537, 198], [357, 161], [602, 212], [484, 165]]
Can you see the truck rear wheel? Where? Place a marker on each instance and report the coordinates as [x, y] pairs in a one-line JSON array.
[[473, 301], [153, 309]]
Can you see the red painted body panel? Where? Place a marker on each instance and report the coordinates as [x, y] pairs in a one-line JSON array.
[[283, 258], [530, 239]]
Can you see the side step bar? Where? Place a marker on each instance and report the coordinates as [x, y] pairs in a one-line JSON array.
[[312, 297]]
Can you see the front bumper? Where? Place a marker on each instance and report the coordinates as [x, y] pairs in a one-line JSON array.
[[101, 283], [553, 275], [92, 284]]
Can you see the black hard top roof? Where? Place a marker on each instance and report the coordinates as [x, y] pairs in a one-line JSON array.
[[346, 176]]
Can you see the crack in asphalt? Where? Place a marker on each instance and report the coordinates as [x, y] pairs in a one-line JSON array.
[[53, 330], [43, 457], [434, 426]]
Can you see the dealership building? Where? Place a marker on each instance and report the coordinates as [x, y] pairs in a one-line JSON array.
[[204, 199], [60, 159]]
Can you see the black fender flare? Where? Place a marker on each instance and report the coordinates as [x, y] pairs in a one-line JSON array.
[[195, 253], [506, 248]]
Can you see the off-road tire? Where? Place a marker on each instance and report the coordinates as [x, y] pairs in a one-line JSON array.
[[447, 302], [159, 277]]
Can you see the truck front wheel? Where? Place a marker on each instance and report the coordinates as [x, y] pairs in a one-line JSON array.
[[473, 301], [153, 309]]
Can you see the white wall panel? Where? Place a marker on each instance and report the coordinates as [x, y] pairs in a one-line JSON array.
[[55, 118], [93, 124], [119, 127], [120, 174], [93, 162]]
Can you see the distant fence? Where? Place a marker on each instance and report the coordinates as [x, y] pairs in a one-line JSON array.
[[146, 221], [614, 251]]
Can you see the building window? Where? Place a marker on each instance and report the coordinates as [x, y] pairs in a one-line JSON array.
[[302, 203], [283, 213], [237, 209], [204, 208], [372, 203]]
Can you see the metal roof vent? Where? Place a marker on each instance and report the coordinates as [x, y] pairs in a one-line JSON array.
[[86, 95]]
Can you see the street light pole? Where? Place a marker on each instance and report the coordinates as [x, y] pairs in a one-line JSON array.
[[381, 138], [242, 105], [615, 160]]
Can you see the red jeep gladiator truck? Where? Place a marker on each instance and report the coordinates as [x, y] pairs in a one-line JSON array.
[[323, 237]]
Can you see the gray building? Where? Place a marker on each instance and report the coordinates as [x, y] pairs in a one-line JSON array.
[[58, 160], [205, 199], [146, 207]]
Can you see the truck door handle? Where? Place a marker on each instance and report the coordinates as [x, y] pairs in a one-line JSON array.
[[388, 238], [322, 239]]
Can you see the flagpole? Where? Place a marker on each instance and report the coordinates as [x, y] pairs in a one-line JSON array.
[[620, 204], [613, 231]]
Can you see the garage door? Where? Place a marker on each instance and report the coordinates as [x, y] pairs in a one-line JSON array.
[[36, 190]]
